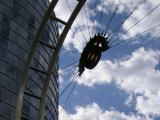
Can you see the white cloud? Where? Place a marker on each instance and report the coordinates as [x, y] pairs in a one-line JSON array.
[[61, 74], [129, 100], [101, 74], [149, 105], [94, 112], [62, 10], [136, 74], [131, 67]]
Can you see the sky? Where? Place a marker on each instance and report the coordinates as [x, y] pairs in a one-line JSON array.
[[125, 83]]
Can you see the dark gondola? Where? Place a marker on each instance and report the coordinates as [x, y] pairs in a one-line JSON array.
[[92, 52]]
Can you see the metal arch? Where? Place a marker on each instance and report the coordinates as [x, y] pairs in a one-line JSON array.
[[25, 72], [54, 58]]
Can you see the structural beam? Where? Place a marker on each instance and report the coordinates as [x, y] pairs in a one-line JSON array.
[[31, 95], [59, 20], [30, 55], [38, 70], [55, 56], [49, 46]]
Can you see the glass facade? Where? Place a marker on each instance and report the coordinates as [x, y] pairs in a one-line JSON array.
[[19, 21]]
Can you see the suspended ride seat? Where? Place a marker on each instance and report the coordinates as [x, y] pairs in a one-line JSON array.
[[92, 52]]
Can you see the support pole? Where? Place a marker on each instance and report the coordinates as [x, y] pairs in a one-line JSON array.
[[54, 58], [32, 50]]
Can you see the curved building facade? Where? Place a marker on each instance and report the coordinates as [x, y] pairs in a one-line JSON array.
[[19, 21]]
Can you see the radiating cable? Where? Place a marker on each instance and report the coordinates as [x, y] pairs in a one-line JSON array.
[[150, 29], [77, 22], [68, 85], [116, 29], [139, 21], [101, 16], [94, 17], [87, 21], [68, 50], [69, 69], [69, 65], [70, 93], [111, 18]]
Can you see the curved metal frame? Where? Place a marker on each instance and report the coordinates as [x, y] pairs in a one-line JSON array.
[[54, 58], [25, 72]]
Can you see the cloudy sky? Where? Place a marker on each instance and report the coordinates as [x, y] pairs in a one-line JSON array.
[[125, 83]]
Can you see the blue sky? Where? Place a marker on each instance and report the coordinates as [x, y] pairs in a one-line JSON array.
[[125, 83]]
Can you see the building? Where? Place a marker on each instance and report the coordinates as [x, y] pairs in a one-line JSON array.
[[19, 20]]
